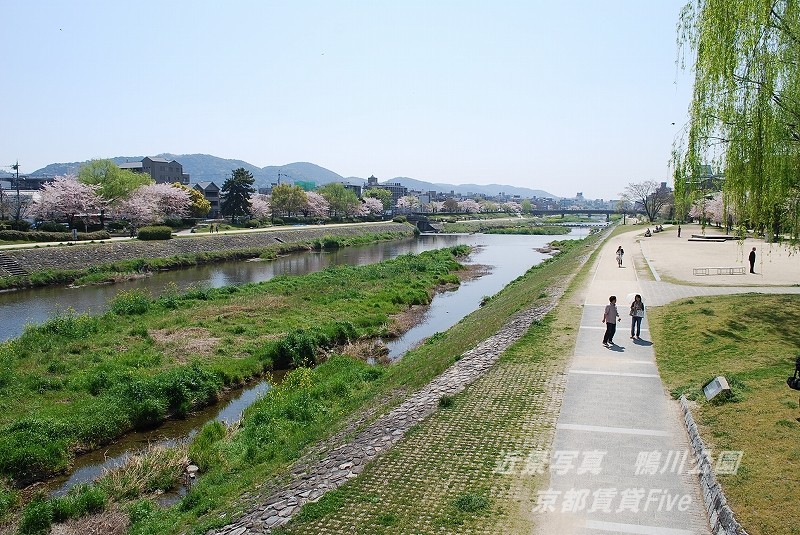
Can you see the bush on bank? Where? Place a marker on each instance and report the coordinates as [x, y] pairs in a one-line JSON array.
[[154, 233], [41, 236]]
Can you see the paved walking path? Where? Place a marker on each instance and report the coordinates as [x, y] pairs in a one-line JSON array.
[[621, 461], [615, 415]]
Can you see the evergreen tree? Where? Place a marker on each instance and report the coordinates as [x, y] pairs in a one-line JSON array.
[[236, 192]]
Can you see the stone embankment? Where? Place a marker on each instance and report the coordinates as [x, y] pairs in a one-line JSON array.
[[81, 256], [312, 477]]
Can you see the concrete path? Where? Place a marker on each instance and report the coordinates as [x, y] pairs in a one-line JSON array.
[[621, 461], [616, 420]]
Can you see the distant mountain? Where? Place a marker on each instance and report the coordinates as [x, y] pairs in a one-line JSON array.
[[204, 167], [466, 189]]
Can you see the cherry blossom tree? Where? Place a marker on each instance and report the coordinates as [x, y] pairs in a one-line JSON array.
[[260, 207], [316, 206], [137, 210], [512, 207], [371, 206], [436, 206], [407, 202], [154, 203], [469, 206], [65, 199], [489, 206]]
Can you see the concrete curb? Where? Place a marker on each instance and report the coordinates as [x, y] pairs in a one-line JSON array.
[[720, 516]]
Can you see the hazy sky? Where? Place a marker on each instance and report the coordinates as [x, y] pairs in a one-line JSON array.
[[560, 96]]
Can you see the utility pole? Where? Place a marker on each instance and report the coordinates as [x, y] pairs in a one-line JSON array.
[[15, 167]]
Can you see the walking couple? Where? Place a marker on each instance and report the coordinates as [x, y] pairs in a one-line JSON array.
[[611, 316]]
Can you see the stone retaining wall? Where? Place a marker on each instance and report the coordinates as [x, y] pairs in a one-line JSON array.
[[81, 256], [720, 515]]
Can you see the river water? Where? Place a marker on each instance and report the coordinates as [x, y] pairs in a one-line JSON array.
[[507, 257]]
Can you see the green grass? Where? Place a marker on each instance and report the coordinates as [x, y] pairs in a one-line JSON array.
[[752, 340], [77, 381], [381, 489], [309, 405], [508, 225]]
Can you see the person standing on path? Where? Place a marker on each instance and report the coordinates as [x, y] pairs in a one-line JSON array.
[[620, 252], [637, 313], [679, 231], [752, 259], [610, 317]]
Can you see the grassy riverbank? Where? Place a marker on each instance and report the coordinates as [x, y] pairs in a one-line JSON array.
[[77, 381], [314, 403], [105, 272], [752, 340], [308, 406], [508, 225], [216, 496]]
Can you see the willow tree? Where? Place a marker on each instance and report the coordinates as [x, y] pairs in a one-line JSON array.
[[744, 117]]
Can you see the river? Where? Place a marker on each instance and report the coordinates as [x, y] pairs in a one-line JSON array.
[[506, 256]]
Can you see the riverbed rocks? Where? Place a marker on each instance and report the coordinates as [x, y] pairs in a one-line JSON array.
[[81, 256], [323, 470]]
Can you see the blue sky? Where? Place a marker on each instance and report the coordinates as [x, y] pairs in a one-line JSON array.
[[560, 96]]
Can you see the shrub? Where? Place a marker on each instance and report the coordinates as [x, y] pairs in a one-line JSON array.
[[52, 226], [174, 222], [82, 500], [20, 225], [36, 517], [204, 449], [155, 233], [8, 499], [131, 302], [39, 236], [470, 503]]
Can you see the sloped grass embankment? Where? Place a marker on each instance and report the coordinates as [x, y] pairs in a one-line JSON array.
[[752, 340]]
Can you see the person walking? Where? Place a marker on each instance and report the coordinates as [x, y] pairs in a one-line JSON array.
[[620, 252], [752, 259], [679, 231], [610, 317], [637, 313]]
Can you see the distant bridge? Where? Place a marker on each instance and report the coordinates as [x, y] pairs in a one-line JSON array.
[[563, 213]]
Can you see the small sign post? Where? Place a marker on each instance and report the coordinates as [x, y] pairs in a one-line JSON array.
[[717, 385]]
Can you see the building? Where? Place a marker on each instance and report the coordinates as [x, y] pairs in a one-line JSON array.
[[397, 190], [211, 193], [163, 171], [355, 188]]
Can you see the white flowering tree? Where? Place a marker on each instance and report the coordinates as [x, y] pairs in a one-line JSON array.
[[316, 206], [489, 206], [407, 203], [436, 206], [260, 207], [154, 203], [65, 199], [512, 207], [371, 206], [469, 206]]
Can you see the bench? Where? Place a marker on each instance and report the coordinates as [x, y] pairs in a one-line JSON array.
[[714, 237], [718, 271]]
